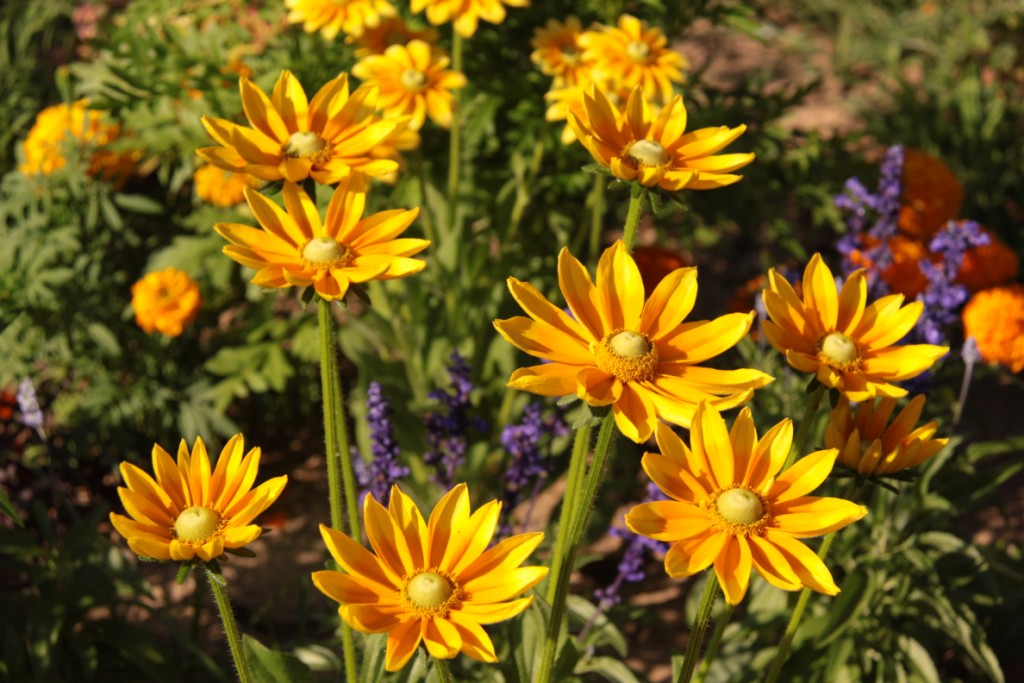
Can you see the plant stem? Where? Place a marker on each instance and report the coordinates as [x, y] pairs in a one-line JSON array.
[[227, 617], [573, 481], [700, 625], [716, 640], [578, 510], [426, 216], [636, 201], [803, 430], [453, 138], [444, 674], [597, 214]]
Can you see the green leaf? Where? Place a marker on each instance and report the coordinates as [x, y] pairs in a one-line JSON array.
[[919, 659], [138, 203], [373, 657], [272, 666], [596, 169], [610, 669], [183, 571], [846, 609], [8, 507]]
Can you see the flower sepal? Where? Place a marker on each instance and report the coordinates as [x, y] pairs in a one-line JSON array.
[[239, 552], [884, 481], [185, 569], [587, 415], [596, 169]]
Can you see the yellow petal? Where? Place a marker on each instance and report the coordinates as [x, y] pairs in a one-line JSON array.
[[492, 613], [809, 516], [441, 638], [402, 643], [670, 303], [805, 475], [447, 521], [732, 568], [549, 379], [668, 520], [821, 302], [635, 413], [696, 342], [355, 559], [620, 288], [475, 641], [688, 557], [582, 297]]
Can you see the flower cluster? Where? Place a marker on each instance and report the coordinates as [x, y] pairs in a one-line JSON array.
[[528, 467], [383, 471], [166, 301], [995, 319], [220, 187], [448, 428]]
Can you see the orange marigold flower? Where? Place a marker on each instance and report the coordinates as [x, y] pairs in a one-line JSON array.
[[331, 17], [220, 187], [932, 195], [465, 13], [62, 126], [390, 31], [904, 275], [165, 301], [995, 318], [558, 53], [990, 265]]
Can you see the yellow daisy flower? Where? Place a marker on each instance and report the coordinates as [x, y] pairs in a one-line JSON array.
[[634, 54], [390, 31], [654, 150], [293, 139], [220, 187], [465, 13], [331, 17], [165, 301], [433, 581], [413, 79], [295, 248], [618, 349], [189, 510], [729, 505], [838, 335], [558, 53], [869, 444]]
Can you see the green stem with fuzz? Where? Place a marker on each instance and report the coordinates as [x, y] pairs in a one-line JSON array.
[[454, 153], [577, 519], [716, 640], [227, 617], [444, 674], [700, 625], [803, 430], [573, 481], [637, 195]]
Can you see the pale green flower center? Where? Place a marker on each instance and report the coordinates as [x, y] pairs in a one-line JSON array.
[[570, 55], [412, 79], [626, 355], [739, 506], [326, 251], [629, 344], [839, 349], [196, 525], [638, 51], [648, 153], [304, 144], [429, 590]]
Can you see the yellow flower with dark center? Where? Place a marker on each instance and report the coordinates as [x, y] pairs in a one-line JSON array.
[[294, 139], [431, 581], [296, 249], [558, 53], [390, 31], [466, 14], [655, 150], [849, 343], [618, 349], [165, 301], [634, 54], [331, 17], [220, 187], [188, 510], [414, 80], [995, 318], [869, 444], [730, 506]]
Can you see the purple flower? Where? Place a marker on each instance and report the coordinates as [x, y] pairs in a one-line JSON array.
[[448, 428], [528, 466], [377, 476]]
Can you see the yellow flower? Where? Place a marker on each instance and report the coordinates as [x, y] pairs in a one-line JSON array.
[[222, 188], [995, 318], [188, 510], [558, 53], [296, 248], [634, 54], [635, 145], [616, 349], [294, 139], [434, 581], [165, 301], [465, 13], [729, 505], [413, 79], [390, 31], [59, 127], [331, 17], [869, 444], [848, 343]]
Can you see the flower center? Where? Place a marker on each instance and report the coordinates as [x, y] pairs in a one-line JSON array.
[[627, 356], [838, 350], [570, 55], [739, 506], [326, 251], [196, 525], [304, 144], [431, 592], [411, 79], [638, 51], [648, 153]]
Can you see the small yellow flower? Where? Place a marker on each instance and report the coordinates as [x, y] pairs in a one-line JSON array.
[[331, 17], [871, 445], [465, 13], [634, 54], [222, 188], [654, 150], [849, 343], [730, 506], [995, 318], [432, 581], [390, 31], [558, 53], [294, 139], [621, 350], [296, 249], [165, 301], [414, 80], [188, 510]]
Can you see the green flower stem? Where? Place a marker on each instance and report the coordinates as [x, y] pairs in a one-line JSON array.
[[597, 214], [716, 640], [426, 216], [444, 674], [523, 191], [700, 625], [803, 430], [574, 479], [577, 512], [636, 201], [454, 153], [227, 617]]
